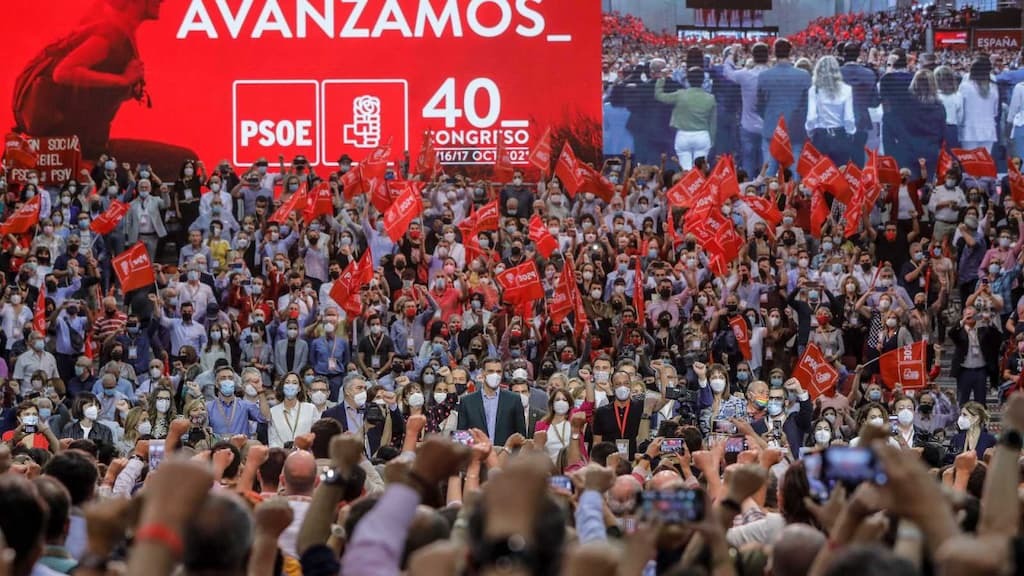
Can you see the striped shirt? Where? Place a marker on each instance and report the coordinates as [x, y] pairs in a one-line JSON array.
[[106, 324]]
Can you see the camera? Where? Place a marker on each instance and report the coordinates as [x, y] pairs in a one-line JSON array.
[[194, 436], [374, 414]]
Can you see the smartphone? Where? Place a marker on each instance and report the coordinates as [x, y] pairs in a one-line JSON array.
[[850, 466], [671, 445], [561, 482], [28, 428], [725, 427], [894, 425], [671, 506], [819, 491], [462, 437], [735, 444], [156, 455]]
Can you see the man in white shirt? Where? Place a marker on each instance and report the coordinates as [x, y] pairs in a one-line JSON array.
[[946, 202], [194, 291], [298, 478], [33, 359]]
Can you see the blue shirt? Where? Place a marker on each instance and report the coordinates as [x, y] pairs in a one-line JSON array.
[[228, 419], [65, 324], [192, 334], [322, 349], [143, 350], [491, 412]]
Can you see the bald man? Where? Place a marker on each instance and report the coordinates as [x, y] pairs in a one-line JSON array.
[[795, 550], [666, 480], [298, 478], [622, 496]]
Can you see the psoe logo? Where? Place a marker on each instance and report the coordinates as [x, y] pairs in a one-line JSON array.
[[364, 131]]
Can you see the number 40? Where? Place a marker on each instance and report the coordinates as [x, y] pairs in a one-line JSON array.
[[442, 103]]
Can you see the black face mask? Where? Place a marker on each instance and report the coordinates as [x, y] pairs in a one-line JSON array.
[[925, 408], [665, 293], [731, 308], [460, 389], [400, 265], [335, 274], [51, 286]]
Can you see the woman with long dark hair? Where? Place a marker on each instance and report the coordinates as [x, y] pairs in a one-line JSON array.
[[981, 104]]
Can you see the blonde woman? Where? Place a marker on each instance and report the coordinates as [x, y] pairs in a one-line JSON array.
[[136, 425], [830, 119]]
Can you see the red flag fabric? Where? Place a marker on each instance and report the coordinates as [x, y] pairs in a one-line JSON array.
[[540, 156], [133, 268], [739, 329], [819, 212], [427, 165], [905, 366], [521, 284], [23, 219], [944, 164], [809, 156], [563, 299], [352, 183], [638, 294], [503, 169], [541, 237], [854, 213], [487, 217], [781, 148], [319, 202], [825, 176], [765, 208], [686, 190], [87, 349], [870, 186], [297, 201], [815, 374], [105, 223], [976, 162], [888, 171], [670, 229], [401, 213], [595, 183], [345, 290], [724, 179], [18, 153], [1016, 183], [852, 176], [567, 170], [39, 315], [375, 165]]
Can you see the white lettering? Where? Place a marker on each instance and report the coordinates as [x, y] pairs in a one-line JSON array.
[[391, 18], [197, 19], [473, 20], [234, 21], [438, 22], [324, 20], [271, 20], [283, 133], [523, 6], [350, 30]]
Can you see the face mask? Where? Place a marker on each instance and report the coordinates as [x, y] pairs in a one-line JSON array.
[[227, 388], [717, 385], [38, 345], [144, 428], [963, 422], [826, 246], [91, 412], [16, 299], [199, 420], [440, 397], [890, 322], [30, 420], [595, 294], [822, 437], [876, 421], [622, 393], [883, 305], [1004, 242], [525, 399], [993, 268], [376, 329], [45, 413], [600, 398], [905, 416], [773, 321], [874, 395], [776, 382], [493, 380], [319, 397], [163, 405], [79, 370], [561, 407], [802, 262], [743, 376], [215, 336], [329, 328], [360, 399], [812, 295], [950, 183], [290, 390], [774, 407]]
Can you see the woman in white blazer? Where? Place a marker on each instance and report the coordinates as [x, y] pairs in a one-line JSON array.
[[981, 104], [293, 416]]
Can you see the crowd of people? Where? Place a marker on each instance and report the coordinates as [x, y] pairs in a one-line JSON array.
[[235, 418]]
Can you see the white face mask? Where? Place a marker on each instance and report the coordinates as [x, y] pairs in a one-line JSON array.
[[622, 393], [416, 399], [561, 407], [163, 405], [525, 398], [905, 416], [30, 420], [91, 412], [890, 322], [144, 428], [963, 422], [493, 380], [877, 421], [318, 397], [440, 397], [717, 385], [360, 399], [250, 390], [822, 437], [154, 372]]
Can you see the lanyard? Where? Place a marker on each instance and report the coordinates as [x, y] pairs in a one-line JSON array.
[[558, 434], [625, 419], [298, 415]]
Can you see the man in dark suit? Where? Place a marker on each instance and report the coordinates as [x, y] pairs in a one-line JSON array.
[[864, 83], [619, 421], [782, 90], [351, 414], [975, 358], [897, 107], [498, 413], [521, 387]]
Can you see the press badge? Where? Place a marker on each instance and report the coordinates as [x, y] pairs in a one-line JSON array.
[[188, 193], [375, 362], [410, 344], [133, 353], [623, 447], [332, 364]]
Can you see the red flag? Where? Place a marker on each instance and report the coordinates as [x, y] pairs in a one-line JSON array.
[[345, 290], [888, 171], [352, 183], [815, 374], [380, 194], [825, 176], [567, 170], [670, 229], [724, 179], [319, 202], [87, 349], [566, 293], [781, 148], [375, 165], [854, 213], [297, 201], [106, 222], [852, 176], [39, 316], [905, 366], [945, 163], [540, 156], [870, 186], [638, 294], [503, 169], [977, 162], [486, 217], [402, 212], [134, 269], [18, 153], [764, 208], [545, 242], [1016, 183], [819, 212], [595, 182], [427, 165], [23, 219], [685, 191], [809, 156], [521, 284], [739, 329]]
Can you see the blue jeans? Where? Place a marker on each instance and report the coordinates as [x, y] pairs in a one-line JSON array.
[[1018, 141], [753, 153]]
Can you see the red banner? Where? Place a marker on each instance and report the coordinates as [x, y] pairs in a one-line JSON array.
[[427, 164], [997, 40], [319, 202], [854, 213], [567, 170], [1016, 181], [826, 177], [353, 184], [296, 201], [905, 366], [57, 159], [764, 208], [888, 171], [739, 329], [105, 223], [852, 176], [407, 207], [541, 237], [977, 162], [39, 315], [345, 289], [521, 284], [540, 156], [723, 179], [486, 217], [23, 219], [815, 374], [944, 164], [809, 156], [133, 268], [18, 152], [781, 148], [952, 40], [686, 190], [563, 298], [503, 169]]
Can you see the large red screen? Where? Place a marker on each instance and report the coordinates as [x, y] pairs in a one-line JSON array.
[[240, 79]]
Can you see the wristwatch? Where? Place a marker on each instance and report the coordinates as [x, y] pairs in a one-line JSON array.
[[331, 477], [505, 554], [338, 531], [1011, 439]]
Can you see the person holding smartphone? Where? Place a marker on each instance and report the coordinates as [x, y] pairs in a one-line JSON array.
[[32, 431]]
